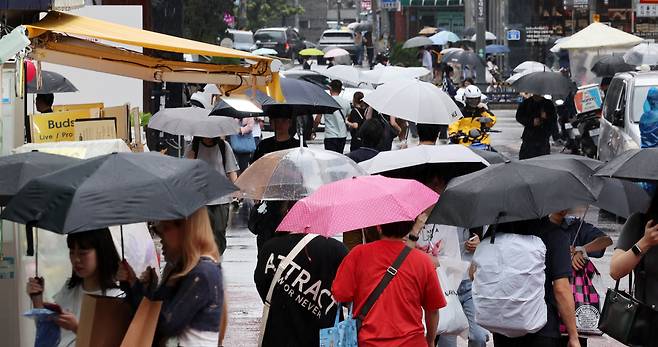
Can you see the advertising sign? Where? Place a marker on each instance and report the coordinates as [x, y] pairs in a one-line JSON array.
[[56, 126], [588, 98]]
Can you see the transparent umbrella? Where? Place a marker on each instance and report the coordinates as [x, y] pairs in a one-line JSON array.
[[294, 174]]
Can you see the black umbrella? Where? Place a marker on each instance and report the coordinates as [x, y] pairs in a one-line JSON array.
[[468, 32], [463, 57], [544, 82], [491, 157], [18, 169], [509, 192], [117, 189], [52, 82], [268, 105], [639, 165], [609, 65]]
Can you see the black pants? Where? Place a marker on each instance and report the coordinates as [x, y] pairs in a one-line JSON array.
[[243, 160], [335, 144], [370, 51], [218, 215], [534, 149], [530, 340]]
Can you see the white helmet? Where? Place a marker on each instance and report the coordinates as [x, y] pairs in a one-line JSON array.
[[472, 96]]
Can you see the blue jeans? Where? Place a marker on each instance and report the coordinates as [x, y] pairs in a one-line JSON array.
[[477, 336]]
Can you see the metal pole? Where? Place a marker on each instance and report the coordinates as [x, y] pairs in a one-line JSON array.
[[339, 3], [480, 43]]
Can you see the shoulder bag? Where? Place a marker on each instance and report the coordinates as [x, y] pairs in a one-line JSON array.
[[277, 275], [626, 319]]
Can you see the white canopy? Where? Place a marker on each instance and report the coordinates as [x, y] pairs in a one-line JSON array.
[[598, 35]]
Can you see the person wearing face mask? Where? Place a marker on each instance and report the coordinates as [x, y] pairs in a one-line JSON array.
[[475, 116]]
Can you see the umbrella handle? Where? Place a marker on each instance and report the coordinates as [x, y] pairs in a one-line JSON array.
[[123, 257]]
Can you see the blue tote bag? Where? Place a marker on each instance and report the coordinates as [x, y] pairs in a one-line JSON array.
[[243, 143], [342, 334]]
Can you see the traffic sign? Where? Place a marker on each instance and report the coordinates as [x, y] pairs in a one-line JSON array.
[[513, 35]]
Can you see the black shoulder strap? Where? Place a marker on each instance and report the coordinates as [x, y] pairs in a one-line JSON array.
[[222, 150], [388, 276]]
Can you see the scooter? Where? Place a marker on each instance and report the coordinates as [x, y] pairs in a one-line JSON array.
[[475, 136], [583, 134]]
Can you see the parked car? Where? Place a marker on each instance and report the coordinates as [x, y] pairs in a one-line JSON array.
[[338, 38], [242, 40], [622, 108], [286, 41]]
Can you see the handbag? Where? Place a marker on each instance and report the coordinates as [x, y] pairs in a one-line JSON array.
[[243, 143], [453, 320], [277, 275], [587, 301], [626, 319], [343, 334]]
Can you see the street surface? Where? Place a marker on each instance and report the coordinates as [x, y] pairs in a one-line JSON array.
[[245, 306]]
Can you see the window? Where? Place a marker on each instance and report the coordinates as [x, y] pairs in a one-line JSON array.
[[612, 99], [305, 24], [269, 36]]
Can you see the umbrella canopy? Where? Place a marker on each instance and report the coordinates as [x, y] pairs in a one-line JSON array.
[[303, 98], [336, 52], [451, 49], [608, 66], [192, 121], [531, 66], [623, 198], [598, 35], [360, 26], [428, 31], [344, 73], [542, 83], [269, 106], [443, 37], [514, 191], [418, 41], [463, 57], [450, 155], [356, 203], [639, 165], [470, 31], [496, 49], [264, 51], [392, 74], [117, 189], [644, 53], [294, 174], [51, 83], [491, 157], [18, 169], [310, 52], [488, 36], [415, 101], [515, 77]]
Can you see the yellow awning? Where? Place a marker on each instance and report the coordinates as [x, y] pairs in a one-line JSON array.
[[65, 23]]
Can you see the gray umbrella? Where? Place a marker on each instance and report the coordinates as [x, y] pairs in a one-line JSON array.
[[623, 198], [639, 165], [52, 82], [491, 157], [508, 192], [18, 169], [193, 121], [418, 41], [608, 66], [544, 82], [117, 189], [463, 57]]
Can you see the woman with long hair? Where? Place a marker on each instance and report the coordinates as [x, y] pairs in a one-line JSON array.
[[94, 263], [191, 288]]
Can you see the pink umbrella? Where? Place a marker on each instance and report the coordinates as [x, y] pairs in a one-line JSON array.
[[356, 203], [336, 52]]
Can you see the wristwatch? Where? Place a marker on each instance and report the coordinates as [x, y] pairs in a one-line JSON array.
[[413, 237], [636, 250], [582, 250]]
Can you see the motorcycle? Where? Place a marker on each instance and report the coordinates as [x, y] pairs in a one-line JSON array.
[[475, 136], [583, 134]]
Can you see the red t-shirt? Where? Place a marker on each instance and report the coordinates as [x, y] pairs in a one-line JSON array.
[[396, 317]]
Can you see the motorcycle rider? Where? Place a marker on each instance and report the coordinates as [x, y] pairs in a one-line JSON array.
[[476, 116]]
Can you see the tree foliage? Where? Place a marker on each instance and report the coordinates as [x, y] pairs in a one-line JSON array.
[[203, 20], [261, 13]]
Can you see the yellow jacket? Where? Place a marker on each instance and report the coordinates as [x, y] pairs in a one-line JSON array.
[[470, 121]]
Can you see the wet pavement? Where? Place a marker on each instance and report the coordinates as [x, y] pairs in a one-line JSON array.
[[244, 303]]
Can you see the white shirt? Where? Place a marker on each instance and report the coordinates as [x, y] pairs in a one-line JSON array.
[[427, 60], [213, 156], [334, 123], [70, 300]]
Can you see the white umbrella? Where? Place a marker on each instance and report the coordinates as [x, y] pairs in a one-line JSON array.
[[598, 35], [336, 52], [418, 41], [392, 73], [264, 51], [415, 101], [488, 36], [450, 50], [344, 73], [644, 53], [531, 66], [517, 75], [423, 154], [193, 121]]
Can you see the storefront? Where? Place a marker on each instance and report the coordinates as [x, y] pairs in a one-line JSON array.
[[416, 14]]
